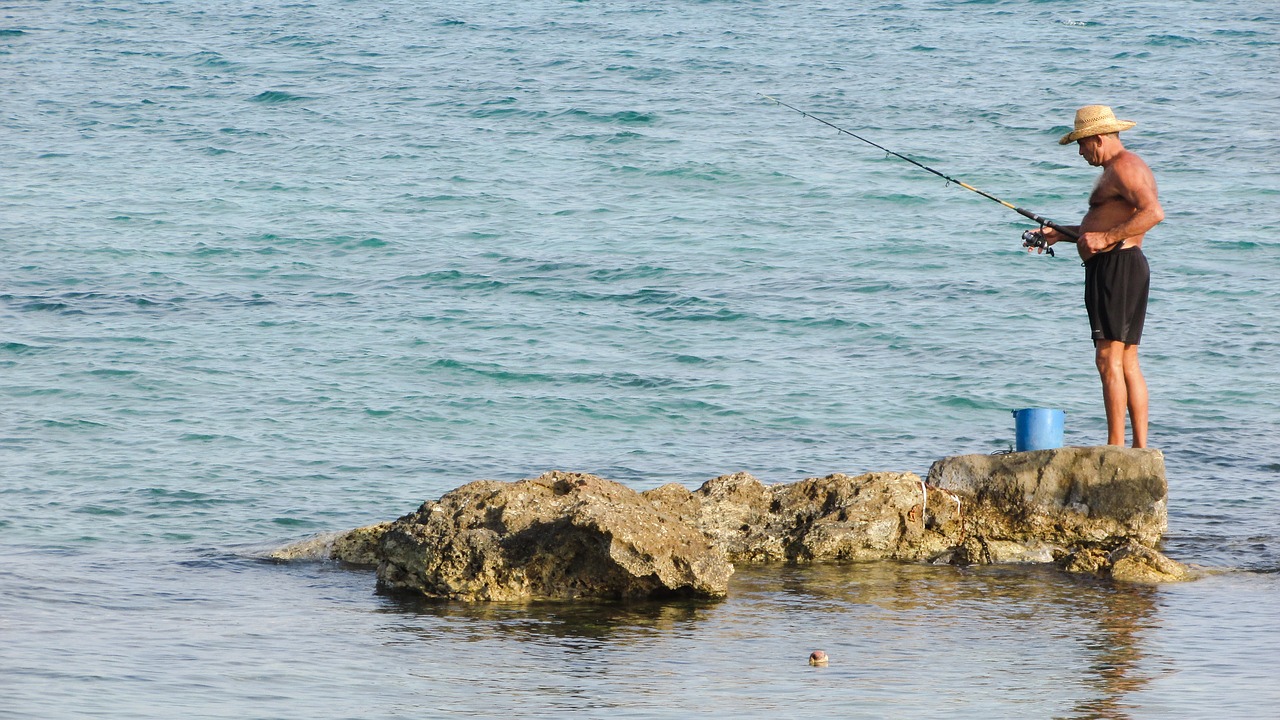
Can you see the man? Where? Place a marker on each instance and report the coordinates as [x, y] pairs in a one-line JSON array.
[[1122, 208]]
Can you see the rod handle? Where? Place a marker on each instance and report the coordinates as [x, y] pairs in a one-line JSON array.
[[1072, 235]]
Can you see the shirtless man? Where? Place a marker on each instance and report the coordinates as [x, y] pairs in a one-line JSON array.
[[1122, 208]]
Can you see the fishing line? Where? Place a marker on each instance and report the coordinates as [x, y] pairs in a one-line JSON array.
[[1030, 238]]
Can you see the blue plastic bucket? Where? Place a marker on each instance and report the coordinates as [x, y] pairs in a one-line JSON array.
[[1038, 428]]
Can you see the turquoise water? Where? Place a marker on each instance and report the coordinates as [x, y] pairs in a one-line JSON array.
[[278, 270]]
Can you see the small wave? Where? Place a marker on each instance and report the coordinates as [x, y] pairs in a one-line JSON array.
[[651, 296], [956, 401], [831, 322], [500, 112], [434, 198], [300, 41], [1236, 244], [624, 117], [673, 315], [292, 522], [100, 510], [697, 171], [632, 273], [217, 558], [40, 305], [899, 198], [435, 276], [18, 348], [243, 133], [201, 437], [631, 117], [81, 303], [623, 137], [277, 97], [11, 33], [210, 59], [181, 498], [73, 424], [614, 380], [607, 138], [1172, 40], [110, 372]]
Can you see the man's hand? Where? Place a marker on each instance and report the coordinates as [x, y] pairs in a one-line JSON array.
[[1096, 242], [1051, 236]]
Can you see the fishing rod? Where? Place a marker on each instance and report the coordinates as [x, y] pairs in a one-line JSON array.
[[1030, 239]]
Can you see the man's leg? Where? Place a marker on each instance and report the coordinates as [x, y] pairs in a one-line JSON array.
[[1136, 388], [1109, 356]]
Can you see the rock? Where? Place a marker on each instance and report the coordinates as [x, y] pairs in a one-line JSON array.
[[1089, 560], [1094, 510], [1127, 562], [1133, 563], [354, 547], [978, 550], [1136, 563], [558, 536], [359, 546], [1062, 497], [874, 516]]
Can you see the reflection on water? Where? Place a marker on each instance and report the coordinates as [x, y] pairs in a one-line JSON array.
[[588, 620], [988, 611], [941, 641], [314, 641], [1125, 617]]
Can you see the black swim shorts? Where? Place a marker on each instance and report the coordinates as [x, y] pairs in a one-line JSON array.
[[1116, 285]]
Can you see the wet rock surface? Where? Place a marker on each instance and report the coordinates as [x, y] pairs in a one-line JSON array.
[[1094, 510]]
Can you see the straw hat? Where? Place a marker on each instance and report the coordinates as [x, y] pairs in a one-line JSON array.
[[1095, 120]]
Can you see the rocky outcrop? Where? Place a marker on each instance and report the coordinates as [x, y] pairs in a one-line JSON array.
[[558, 536], [1062, 496], [1096, 510], [1126, 561], [1101, 510], [876, 516]]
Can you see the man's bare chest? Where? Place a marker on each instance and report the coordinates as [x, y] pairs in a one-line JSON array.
[[1105, 192]]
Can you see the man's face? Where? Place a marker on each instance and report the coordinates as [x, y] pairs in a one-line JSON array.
[[1091, 149]]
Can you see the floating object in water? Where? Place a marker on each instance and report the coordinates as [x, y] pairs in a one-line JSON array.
[[817, 657]]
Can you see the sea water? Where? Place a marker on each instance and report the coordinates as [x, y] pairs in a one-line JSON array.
[[278, 269]]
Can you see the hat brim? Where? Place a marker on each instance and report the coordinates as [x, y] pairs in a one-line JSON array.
[[1099, 129]]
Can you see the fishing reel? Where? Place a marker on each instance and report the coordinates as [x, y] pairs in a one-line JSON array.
[[1034, 239]]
